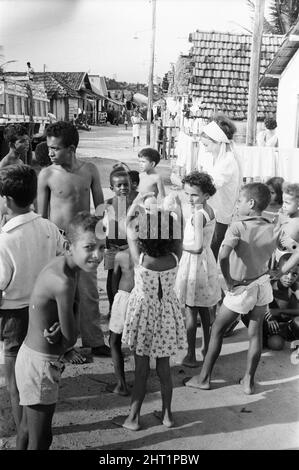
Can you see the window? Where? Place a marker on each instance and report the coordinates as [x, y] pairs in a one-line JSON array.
[[19, 105], [26, 106], [11, 104]]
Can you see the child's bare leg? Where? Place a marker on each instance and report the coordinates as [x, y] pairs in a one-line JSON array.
[[141, 375], [205, 325], [22, 436], [10, 377], [118, 361], [39, 421], [191, 327], [163, 371], [223, 319], [109, 288], [255, 335]]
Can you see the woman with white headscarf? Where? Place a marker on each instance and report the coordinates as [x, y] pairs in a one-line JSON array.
[[225, 171]]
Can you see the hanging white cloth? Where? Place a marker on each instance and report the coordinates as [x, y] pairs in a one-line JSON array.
[[288, 164]]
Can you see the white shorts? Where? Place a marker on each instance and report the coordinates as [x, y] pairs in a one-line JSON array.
[[118, 312], [242, 299], [37, 376]]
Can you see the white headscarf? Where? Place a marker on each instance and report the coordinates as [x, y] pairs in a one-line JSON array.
[[215, 132]]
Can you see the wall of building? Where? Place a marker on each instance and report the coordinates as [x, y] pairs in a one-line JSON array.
[[288, 104], [58, 107]]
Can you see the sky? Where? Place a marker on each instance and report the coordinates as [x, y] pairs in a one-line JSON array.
[[109, 37]]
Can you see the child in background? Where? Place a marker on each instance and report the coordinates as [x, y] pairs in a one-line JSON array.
[[53, 299], [150, 180], [197, 284], [41, 157], [244, 257], [122, 284], [16, 136], [134, 177], [288, 220], [115, 220], [275, 186], [27, 243], [154, 326]]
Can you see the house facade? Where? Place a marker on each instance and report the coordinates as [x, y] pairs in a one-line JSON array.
[[284, 71], [214, 77]]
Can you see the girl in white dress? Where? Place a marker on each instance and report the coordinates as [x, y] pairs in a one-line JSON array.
[[154, 326], [197, 283]]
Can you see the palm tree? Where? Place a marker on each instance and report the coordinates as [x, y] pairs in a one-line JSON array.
[[283, 14]]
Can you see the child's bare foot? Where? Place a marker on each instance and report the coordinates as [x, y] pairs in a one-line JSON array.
[[189, 361], [197, 382], [248, 387], [73, 357], [118, 389], [166, 420], [131, 424]]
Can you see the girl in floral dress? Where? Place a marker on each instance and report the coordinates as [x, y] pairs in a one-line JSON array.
[[154, 326], [197, 283]]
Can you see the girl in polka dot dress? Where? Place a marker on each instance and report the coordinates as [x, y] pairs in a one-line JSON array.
[[197, 283], [154, 326]]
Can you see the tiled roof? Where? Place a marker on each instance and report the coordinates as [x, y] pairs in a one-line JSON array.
[[55, 88], [219, 73], [74, 80]]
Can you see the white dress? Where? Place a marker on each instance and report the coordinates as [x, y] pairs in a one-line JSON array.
[[135, 126], [197, 283]]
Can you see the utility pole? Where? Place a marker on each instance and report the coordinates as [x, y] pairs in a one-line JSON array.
[[151, 76], [254, 73]]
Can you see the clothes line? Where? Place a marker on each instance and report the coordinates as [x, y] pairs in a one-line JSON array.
[[256, 162]]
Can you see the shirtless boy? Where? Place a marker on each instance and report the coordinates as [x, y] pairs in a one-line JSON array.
[[17, 138], [122, 284], [116, 212], [54, 299], [150, 180], [63, 191]]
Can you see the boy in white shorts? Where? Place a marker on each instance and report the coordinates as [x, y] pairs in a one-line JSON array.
[[244, 257], [54, 300], [122, 284]]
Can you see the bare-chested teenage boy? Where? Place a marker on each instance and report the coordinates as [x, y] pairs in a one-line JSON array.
[[63, 191], [149, 180], [54, 299], [17, 138]]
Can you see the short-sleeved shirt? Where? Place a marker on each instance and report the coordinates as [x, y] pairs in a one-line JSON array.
[[253, 240], [27, 243]]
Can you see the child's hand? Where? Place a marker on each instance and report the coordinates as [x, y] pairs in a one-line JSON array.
[[273, 326], [53, 334]]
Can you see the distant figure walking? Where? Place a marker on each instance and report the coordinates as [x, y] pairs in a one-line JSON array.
[[136, 121]]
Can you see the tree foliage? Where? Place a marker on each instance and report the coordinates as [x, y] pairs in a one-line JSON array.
[[282, 15]]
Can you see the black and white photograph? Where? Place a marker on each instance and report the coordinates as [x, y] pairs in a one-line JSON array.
[[149, 228]]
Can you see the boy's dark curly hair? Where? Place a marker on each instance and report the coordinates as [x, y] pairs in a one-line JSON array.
[[66, 130], [202, 180], [12, 132], [20, 183], [157, 235], [152, 155], [82, 222]]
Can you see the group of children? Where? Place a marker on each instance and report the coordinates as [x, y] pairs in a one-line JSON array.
[[159, 262]]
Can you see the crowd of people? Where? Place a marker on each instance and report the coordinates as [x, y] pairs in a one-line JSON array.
[[163, 255]]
